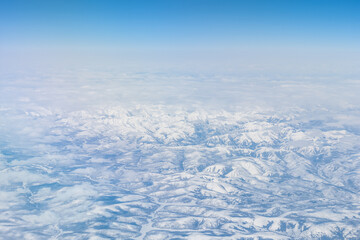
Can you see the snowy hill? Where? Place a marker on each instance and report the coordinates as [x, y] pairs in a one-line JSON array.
[[157, 171], [148, 172]]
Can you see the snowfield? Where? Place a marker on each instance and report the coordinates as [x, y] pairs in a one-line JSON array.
[[170, 171]]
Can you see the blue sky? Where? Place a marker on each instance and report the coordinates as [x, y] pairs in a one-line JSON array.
[[180, 26]]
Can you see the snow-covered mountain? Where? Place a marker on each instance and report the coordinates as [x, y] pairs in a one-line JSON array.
[[170, 171]]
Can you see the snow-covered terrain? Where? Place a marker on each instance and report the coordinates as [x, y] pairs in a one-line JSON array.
[[142, 156]]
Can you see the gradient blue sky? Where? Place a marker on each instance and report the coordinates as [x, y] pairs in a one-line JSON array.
[[179, 25]]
